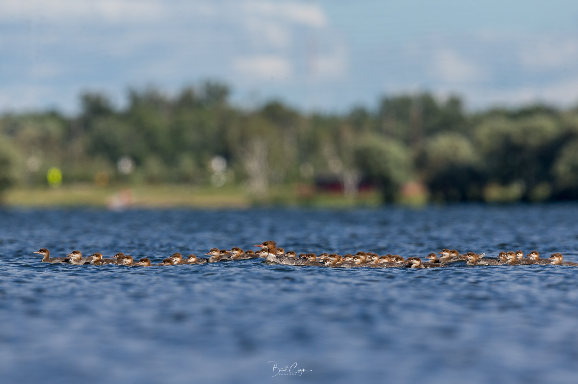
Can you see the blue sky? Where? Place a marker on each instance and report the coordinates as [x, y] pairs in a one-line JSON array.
[[314, 54]]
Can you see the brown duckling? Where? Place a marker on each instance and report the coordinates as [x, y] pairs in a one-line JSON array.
[[98, 260], [215, 255], [534, 257], [557, 259], [144, 262], [193, 259], [75, 258]]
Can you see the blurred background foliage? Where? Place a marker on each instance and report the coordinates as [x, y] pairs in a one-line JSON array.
[[199, 137]]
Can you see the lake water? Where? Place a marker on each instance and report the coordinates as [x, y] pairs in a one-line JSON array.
[[228, 322]]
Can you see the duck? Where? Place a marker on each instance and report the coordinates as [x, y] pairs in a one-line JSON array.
[[385, 261], [557, 259], [238, 254], [47, 259], [192, 259], [433, 261], [126, 260], [312, 260], [271, 247], [445, 255], [534, 257], [502, 257], [474, 259], [177, 258], [415, 262], [433, 258], [119, 258], [399, 261], [335, 260], [98, 260], [75, 258], [215, 255], [523, 261], [144, 262], [165, 262], [511, 258], [250, 254]]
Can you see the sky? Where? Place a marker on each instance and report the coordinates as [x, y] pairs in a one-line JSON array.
[[329, 55]]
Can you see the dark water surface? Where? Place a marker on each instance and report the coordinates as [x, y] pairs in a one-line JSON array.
[[225, 322]]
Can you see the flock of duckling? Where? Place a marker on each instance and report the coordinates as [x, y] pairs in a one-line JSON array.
[[277, 255]]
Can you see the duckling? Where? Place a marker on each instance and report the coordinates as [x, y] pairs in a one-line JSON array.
[[474, 259], [385, 261], [250, 254], [557, 259], [98, 260], [75, 258], [192, 259], [215, 254], [165, 262], [47, 259], [534, 257], [511, 258], [445, 256], [399, 261], [312, 260], [144, 262], [238, 254], [433, 259]]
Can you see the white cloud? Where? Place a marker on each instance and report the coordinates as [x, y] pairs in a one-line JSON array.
[[296, 12], [549, 54], [74, 11], [263, 67], [332, 65], [451, 67]]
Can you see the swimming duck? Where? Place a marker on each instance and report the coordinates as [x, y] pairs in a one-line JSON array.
[[511, 258], [75, 258], [126, 260], [271, 248], [399, 261], [474, 259], [165, 262], [557, 259], [534, 257], [237, 254], [98, 260], [144, 262], [177, 258], [192, 259], [47, 259], [312, 260], [215, 254], [415, 262]]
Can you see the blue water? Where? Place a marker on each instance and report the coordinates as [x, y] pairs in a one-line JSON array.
[[227, 322]]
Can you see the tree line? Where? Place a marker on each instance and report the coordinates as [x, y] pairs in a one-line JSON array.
[[199, 136]]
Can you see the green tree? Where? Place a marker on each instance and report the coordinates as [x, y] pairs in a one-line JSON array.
[[386, 162], [8, 166], [450, 168]]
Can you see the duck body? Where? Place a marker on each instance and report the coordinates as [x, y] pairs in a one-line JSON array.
[[52, 260], [193, 259]]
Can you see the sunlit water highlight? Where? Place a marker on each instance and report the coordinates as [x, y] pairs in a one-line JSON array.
[[226, 322]]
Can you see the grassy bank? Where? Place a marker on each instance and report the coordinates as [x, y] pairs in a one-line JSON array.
[[167, 196]]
